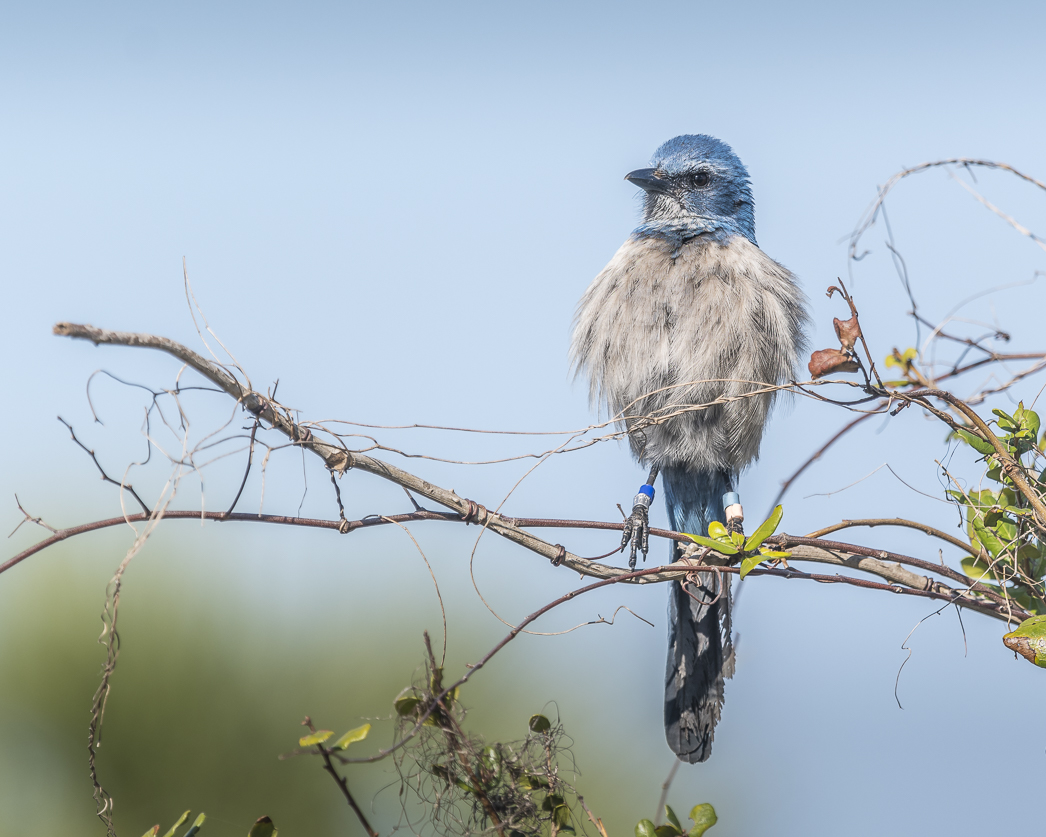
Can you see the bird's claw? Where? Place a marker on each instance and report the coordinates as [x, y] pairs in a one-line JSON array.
[[636, 531]]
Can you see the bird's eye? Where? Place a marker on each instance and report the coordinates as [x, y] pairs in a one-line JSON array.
[[701, 179]]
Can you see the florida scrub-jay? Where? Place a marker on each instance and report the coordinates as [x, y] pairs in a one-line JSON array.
[[689, 312]]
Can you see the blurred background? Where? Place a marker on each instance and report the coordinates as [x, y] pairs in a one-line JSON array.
[[392, 209]]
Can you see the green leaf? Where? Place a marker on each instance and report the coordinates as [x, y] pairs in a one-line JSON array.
[[441, 771], [976, 569], [196, 825], [645, 828], [1028, 640], [766, 529], [987, 538], [351, 737], [751, 562], [263, 828], [667, 830], [539, 723], [491, 761], [562, 817], [718, 531], [408, 703], [1006, 530], [704, 818], [1006, 421], [672, 818], [1020, 595], [465, 786], [906, 358], [152, 832], [1029, 420], [984, 498], [315, 738], [718, 546], [178, 824], [976, 442], [405, 703], [1031, 554], [774, 553]]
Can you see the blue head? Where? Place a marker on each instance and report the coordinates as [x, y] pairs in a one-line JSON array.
[[696, 185]]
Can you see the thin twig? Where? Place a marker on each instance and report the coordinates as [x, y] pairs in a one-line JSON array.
[[343, 784], [247, 471], [665, 785], [856, 317], [101, 470], [897, 521]]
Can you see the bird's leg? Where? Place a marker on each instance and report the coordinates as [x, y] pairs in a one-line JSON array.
[[735, 516], [637, 524]]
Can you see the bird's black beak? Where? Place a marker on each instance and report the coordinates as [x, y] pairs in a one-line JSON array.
[[647, 180]]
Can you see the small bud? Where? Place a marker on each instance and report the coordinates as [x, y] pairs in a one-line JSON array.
[[848, 332], [826, 361]]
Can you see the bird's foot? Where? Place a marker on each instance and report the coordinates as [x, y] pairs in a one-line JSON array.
[[637, 525]]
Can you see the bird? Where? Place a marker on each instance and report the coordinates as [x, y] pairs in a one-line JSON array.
[[684, 338]]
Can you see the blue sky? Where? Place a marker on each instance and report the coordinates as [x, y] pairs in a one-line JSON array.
[[393, 210]]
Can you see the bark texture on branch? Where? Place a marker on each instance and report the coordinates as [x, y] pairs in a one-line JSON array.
[[340, 459]]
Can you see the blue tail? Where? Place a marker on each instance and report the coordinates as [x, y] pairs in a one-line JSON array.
[[700, 654]]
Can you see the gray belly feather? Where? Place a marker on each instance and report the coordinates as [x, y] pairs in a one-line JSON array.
[[667, 330]]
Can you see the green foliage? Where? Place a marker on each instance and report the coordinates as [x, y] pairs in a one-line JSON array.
[[176, 825], [750, 550], [263, 828], [1029, 640], [193, 829], [351, 737], [703, 815], [719, 539], [315, 738], [474, 786], [196, 825], [1009, 552], [539, 723], [646, 828], [704, 818], [901, 360]]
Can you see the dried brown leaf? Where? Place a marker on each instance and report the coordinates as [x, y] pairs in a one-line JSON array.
[[848, 332], [826, 361]]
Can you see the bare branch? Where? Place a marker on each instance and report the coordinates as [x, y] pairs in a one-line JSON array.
[[101, 470], [896, 521]]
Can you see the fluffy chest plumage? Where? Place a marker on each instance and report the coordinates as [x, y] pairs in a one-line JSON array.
[[669, 331]]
